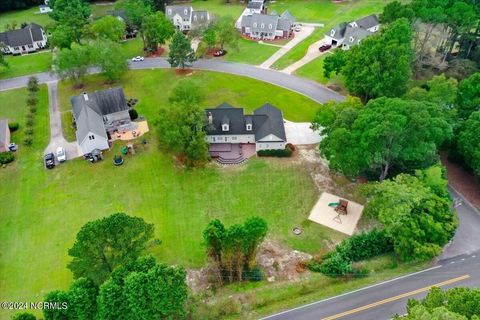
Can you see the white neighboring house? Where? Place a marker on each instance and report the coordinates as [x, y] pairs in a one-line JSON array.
[[347, 35], [98, 115], [253, 7], [28, 39], [229, 125], [185, 18]]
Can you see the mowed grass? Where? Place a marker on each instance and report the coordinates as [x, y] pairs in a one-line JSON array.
[[219, 8], [24, 15], [326, 12], [250, 52], [42, 210], [151, 87], [26, 64]]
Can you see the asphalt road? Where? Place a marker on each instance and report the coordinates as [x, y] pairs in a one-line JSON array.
[[459, 265], [306, 87]]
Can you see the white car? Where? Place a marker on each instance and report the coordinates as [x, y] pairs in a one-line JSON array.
[[60, 154], [137, 59]]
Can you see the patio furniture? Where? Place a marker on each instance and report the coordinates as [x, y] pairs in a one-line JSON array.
[[124, 150]]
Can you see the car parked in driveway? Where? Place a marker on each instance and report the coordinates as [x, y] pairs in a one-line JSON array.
[[137, 59], [324, 47], [49, 160], [12, 147], [61, 155]]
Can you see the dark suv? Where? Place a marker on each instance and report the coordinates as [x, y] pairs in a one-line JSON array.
[[49, 160]]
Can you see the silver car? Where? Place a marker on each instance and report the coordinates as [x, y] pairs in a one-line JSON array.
[[60, 154]]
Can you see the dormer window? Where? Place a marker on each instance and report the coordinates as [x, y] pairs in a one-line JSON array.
[[185, 11], [249, 127], [352, 39], [262, 26], [225, 127], [169, 11], [270, 26], [254, 24], [332, 32]]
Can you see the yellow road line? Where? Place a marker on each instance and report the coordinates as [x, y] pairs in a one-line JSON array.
[[400, 296]]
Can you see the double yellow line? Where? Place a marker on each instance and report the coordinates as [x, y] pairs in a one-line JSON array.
[[400, 296]]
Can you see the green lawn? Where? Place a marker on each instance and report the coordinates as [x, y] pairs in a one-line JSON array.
[[26, 64], [326, 12], [42, 210], [24, 15], [219, 8], [250, 52]]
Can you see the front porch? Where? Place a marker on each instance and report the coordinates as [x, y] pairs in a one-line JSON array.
[[231, 153]]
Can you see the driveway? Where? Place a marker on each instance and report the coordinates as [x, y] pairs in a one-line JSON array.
[[299, 133], [312, 53], [56, 134], [299, 37]]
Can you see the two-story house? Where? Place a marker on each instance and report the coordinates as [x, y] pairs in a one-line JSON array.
[[267, 26], [229, 125], [98, 116], [28, 39], [346, 35], [185, 18]]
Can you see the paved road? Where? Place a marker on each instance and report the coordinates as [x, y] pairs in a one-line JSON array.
[[56, 134], [383, 300], [305, 87]]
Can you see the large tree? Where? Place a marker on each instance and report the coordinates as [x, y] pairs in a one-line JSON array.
[[380, 65], [107, 27], [468, 99], [136, 11], [157, 29], [418, 220], [182, 127], [181, 53], [102, 245], [469, 142], [387, 134], [73, 14], [143, 289], [61, 36], [73, 63], [111, 59], [226, 33]]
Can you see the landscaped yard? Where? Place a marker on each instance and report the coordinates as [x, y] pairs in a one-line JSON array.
[[26, 64], [250, 52], [326, 12]]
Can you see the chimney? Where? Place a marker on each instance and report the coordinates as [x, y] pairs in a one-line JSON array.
[[85, 96], [210, 118]]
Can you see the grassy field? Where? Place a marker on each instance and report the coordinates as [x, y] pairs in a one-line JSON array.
[[218, 87], [42, 210], [220, 8], [326, 12], [250, 52], [26, 64], [25, 15]]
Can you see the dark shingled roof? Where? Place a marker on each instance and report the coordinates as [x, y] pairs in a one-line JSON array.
[[102, 102], [339, 31], [22, 37], [368, 21], [266, 120], [254, 5]]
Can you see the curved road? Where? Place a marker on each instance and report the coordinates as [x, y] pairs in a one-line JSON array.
[[306, 87], [459, 263]]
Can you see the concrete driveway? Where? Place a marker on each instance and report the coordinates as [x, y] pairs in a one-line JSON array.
[[299, 37], [56, 135], [312, 53], [299, 133]]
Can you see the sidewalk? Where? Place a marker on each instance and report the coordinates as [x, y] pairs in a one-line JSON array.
[[299, 37]]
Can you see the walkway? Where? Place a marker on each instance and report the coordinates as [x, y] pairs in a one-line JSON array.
[[300, 133], [56, 134], [299, 37], [312, 53]]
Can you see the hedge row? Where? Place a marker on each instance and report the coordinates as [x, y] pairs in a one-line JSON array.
[[32, 101], [356, 248], [280, 153], [6, 157]]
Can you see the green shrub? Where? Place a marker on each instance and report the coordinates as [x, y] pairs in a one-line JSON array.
[[201, 50], [6, 157], [29, 121], [28, 141], [32, 109], [336, 266], [29, 131], [133, 114], [365, 245], [24, 316], [13, 126], [280, 153], [32, 100]]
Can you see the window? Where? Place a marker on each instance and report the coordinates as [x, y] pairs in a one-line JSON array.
[[332, 32], [234, 138], [195, 18], [185, 11], [91, 137], [270, 26], [16, 48], [225, 127], [249, 127], [352, 39], [30, 45], [254, 24], [262, 25]]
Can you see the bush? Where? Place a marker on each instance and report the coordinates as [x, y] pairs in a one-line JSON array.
[[28, 141], [29, 131], [13, 126], [24, 316], [280, 153], [29, 121], [365, 245], [133, 114], [201, 50], [6, 157], [32, 109], [336, 266]]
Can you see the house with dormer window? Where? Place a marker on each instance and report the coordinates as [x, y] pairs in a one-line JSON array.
[[267, 26], [346, 35], [185, 18], [29, 39]]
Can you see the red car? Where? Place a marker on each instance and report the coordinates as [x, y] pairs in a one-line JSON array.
[[220, 53], [325, 47]]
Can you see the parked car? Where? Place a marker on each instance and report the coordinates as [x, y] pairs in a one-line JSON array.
[[12, 147], [324, 47], [49, 161], [137, 59], [219, 53], [61, 156]]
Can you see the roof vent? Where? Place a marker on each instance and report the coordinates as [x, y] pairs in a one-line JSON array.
[[85, 96]]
